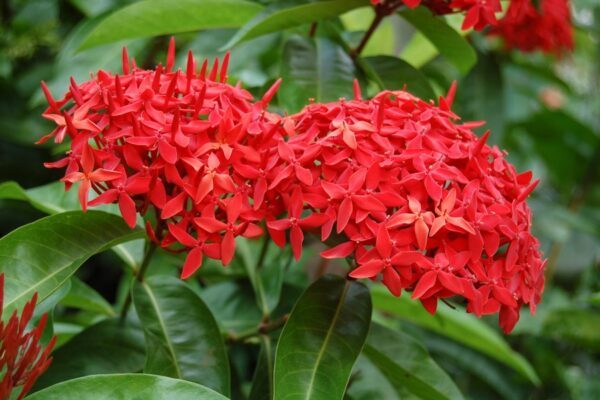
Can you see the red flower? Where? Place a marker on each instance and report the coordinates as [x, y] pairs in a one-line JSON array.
[[22, 359], [528, 28], [181, 142], [416, 199]]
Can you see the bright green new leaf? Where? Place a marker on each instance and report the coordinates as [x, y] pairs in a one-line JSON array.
[[182, 337], [285, 15], [41, 256], [126, 386], [322, 340], [162, 17], [448, 41]]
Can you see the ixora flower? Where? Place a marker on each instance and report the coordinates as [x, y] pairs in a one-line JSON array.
[[417, 201], [546, 27], [174, 141], [22, 359]]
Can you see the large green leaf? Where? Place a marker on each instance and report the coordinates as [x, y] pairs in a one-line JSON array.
[[289, 14], [407, 365], [322, 340], [110, 346], [126, 386], [448, 41], [41, 256], [160, 17], [575, 325], [182, 337], [53, 199], [314, 68], [83, 297], [457, 325], [393, 73]]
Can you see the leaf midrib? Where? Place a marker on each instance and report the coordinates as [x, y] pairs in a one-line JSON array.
[[337, 313], [163, 328]]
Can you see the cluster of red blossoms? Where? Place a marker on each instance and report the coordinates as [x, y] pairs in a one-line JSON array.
[[392, 183], [22, 359], [546, 27], [527, 25]]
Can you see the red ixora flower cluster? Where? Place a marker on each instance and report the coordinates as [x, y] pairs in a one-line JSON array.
[[546, 27], [526, 25], [392, 183], [22, 359]]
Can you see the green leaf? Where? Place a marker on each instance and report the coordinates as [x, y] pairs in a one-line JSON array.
[[448, 42], [41, 256], [594, 299], [110, 346], [53, 199], [285, 15], [322, 340], [182, 337], [579, 326], [83, 297], [267, 278], [161, 17], [407, 365], [126, 386], [393, 73], [233, 304], [457, 325], [262, 382], [314, 68]]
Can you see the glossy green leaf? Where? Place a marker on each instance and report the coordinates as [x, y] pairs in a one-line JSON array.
[[126, 386], [322, 340], [262, 382], [83, 297], [41, 256], [285, 15], [182, 337], [161, 17], [53, 199], [448, 41], [407, 365], [392, 73], [314, 68], [110, 346], [457, 325]]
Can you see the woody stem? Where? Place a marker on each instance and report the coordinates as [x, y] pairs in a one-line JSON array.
[[381, 11]]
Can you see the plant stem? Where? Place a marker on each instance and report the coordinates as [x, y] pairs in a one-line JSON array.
[[382, 10], [262, 329], [263, 253], [139, 275], [313, 29]]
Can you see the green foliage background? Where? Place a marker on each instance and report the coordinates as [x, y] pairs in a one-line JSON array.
[[544, 111]]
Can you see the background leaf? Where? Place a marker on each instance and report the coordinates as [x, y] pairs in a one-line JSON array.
[[407, 365], [448, 42], [160, 17], [126, 386], [84, 297], [110, 346], [285, 15], [182, 337], [322, 340], [455, 324], [392, 73], [314, 68], [41, 256]]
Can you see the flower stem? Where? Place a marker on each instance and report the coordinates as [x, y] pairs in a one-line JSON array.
[[382, 10], [262, 329], [139, 275]]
